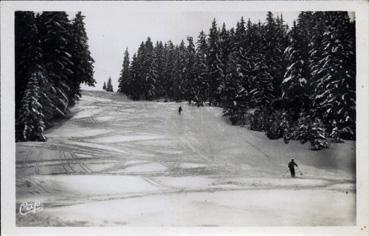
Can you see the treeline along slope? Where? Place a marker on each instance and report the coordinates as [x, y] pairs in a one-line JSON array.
[[295, 83], [52, 59]]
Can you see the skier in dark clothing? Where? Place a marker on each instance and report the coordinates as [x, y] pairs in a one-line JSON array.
[[291, 166], [179, 110]]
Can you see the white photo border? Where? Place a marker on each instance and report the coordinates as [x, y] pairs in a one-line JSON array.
[[7, 112]]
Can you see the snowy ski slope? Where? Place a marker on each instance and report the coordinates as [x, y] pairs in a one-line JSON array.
[[119, 162]]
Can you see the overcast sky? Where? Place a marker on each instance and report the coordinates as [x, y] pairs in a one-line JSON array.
[[110, 33]]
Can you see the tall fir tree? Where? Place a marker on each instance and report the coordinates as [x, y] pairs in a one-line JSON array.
[[296, 85], [179, 75], [235, 95], [30, 122], [200, 83], [55, 35], [150, 75], [189, 91], [224, 51], [275, 40], [214, 64], [29, 75], [134, 88], [82, 67], [124, 79], [140, 72], [261, 88], [169, 70], [334, 75], [109, 85], [158, 67], [239, 56], [27, 51]]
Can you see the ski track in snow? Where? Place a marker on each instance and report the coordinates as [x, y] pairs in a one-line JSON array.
[[113, 151]]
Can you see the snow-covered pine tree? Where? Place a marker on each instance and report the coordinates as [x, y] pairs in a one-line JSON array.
[[29, 75], [261, 88], [159, 67], [235, 95], [169, 70], [30, 123], [81, 57], [316, 45], [294, 92], [138, 80], [26, 54], [318, 140], [150, 75], [285, 127], [335, 133], [124, 78], [334, 74], [275, 40], [297, 78], [261, 94], [311, 130], [240, 57], [55, 34], [133, 84], [200, 83], [214, 64], [152, 80], [180, 71], [189, 91], [109, 86], [225, 49]]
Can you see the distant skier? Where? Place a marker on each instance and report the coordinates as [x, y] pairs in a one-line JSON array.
[[291, 166], [179, 110]]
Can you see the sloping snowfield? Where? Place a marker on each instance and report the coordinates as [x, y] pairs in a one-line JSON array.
[[119, 162]]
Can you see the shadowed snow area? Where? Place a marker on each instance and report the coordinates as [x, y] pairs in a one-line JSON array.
[[120, 162]]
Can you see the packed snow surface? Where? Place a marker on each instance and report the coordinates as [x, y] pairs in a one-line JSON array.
[[120, 162]]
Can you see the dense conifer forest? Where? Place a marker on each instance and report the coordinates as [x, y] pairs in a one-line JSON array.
[[52, 59], [293, 82]]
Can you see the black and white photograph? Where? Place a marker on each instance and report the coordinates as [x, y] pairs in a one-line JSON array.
[[163, 114]]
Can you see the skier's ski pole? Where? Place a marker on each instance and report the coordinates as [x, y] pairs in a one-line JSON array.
[[299, 170]]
